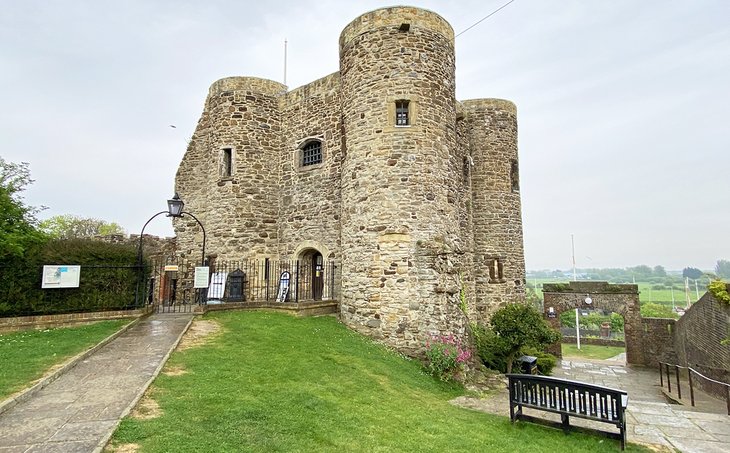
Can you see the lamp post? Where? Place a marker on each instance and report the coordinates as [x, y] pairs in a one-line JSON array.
[[174, 209]]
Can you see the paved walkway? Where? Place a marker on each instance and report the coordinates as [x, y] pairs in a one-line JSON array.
[[650, 419], [80, 410]]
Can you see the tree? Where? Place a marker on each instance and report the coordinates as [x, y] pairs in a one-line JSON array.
[[518, 326], [17, 220], [73, 227], [691, 272], [659, 271], [722, 268]]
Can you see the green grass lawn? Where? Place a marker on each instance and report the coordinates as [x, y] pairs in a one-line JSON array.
[[591, 351], [25, 356], [272, 382]]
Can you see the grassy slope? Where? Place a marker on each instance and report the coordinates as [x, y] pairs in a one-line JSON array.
[[272, 382], [26, 356]]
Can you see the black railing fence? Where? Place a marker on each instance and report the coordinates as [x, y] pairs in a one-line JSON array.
[[692, 375], [102, 287], [171, 282]]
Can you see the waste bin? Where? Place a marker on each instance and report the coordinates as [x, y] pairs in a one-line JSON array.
[[528, 364]]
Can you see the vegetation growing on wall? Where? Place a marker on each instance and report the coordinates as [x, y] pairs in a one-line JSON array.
[[718, 288]]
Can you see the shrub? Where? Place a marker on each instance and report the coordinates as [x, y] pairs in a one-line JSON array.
[[718, 288], [445, 357], [545, 361], [520, 326], [490, 348], [652, 310]]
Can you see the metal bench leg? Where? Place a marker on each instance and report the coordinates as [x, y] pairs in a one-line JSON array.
[[566, 423]]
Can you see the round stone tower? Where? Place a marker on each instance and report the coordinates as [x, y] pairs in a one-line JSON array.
[[499, 263], [399, 226], [228, 176]]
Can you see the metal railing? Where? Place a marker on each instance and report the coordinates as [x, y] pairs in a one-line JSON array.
[[690, 370]]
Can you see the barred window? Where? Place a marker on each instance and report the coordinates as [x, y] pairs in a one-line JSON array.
[[401, 113], [312, 153]]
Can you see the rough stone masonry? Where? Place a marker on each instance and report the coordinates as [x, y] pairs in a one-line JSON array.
[[376, 167]]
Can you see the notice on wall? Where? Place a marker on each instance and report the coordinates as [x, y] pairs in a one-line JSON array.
[[202, 273], [61, 276]]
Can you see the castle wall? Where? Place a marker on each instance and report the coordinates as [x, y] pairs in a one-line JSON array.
[[240, 210], [398, 226], [413, 215], [310, 196], [499, 262]]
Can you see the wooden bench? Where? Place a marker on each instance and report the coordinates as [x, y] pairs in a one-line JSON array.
[[569, 399]]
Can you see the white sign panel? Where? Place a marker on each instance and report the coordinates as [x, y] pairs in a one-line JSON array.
[[61, 276], [217, 285], [201, 276]]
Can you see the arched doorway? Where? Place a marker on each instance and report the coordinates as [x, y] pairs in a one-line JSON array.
[[311, 272], [620, 299]]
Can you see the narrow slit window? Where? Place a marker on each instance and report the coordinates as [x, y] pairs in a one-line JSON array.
[[312, 153], [515, 176], [227, 162], [401, 113]]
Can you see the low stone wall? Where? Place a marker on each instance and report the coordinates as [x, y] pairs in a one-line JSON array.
[[67, 319], [317, 308], [595, 341]]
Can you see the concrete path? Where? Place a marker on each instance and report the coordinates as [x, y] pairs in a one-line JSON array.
[[650, 419], [80, 410]]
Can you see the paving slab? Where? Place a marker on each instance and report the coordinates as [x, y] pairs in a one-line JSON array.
[[80, 410]]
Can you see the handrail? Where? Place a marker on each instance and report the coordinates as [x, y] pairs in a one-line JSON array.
[[690, 370]]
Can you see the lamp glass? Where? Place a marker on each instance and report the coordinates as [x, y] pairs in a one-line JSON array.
[[175, 206]]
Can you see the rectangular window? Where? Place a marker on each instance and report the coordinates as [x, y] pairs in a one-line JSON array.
[[401, 113], [227, 162], [312, 153], [496, 270]]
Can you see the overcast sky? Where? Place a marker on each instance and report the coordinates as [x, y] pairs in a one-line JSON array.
[[623, 107]]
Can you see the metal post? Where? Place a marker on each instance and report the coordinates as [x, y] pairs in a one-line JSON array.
[[296, 297], [140, 259], [669, 380], [727, 398], [661, 377], [679, 389], [691, 390], [577, 328]]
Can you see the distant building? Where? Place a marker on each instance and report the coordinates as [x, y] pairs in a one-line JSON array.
[[413, 194]]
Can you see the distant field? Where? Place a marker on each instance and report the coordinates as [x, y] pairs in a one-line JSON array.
[[646, 293]]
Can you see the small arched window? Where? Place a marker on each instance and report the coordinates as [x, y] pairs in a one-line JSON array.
[[311, 153]]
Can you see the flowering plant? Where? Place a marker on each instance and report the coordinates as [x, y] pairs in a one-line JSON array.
[[446, 356]]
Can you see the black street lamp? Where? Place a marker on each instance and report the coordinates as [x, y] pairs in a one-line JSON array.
[[174, 209]]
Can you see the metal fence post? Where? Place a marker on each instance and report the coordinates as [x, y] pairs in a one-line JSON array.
[[296, 296], [661, 377], [679, 388], [669, 380], [691, 390]]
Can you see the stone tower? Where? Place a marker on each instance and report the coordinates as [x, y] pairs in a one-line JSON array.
[[229, 174], [376, 168], [499, 263], [397, 221]]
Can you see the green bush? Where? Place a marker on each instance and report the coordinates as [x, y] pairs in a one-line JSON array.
[[545, 361], [652, 310], [490, 348], [107, 282], [513, 328]]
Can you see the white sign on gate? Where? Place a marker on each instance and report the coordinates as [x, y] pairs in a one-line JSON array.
[[201, 276]]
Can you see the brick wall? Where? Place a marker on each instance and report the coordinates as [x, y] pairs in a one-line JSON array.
[[697, 341], [658, 341]]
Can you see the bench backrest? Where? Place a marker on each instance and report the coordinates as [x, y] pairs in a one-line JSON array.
[[572, 397]]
